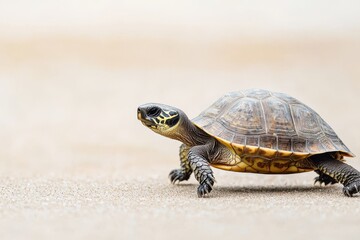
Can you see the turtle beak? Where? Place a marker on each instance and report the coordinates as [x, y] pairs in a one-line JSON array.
[[142, 116], [139, 114]]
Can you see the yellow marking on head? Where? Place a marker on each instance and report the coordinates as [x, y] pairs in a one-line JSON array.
[[162, 119]]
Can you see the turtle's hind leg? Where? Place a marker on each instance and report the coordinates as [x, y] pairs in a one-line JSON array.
[[339, 171]]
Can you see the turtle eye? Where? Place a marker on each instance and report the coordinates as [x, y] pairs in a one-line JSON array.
[[154, 112]]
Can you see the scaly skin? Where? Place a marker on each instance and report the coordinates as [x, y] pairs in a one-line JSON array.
[[185, 170], [341, 172], [201, 167]]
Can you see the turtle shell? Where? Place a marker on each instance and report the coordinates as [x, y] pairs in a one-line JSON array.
[[269, 124]]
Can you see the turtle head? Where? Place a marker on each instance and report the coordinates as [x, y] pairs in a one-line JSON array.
[[160, 118]]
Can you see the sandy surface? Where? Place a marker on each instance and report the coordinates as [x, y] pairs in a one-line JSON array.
[[149, 207], [75, 163]]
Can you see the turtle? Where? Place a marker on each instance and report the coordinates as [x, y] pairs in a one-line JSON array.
[[253, 131]]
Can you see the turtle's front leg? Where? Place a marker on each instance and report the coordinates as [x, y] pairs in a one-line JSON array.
[[185, 171], [198, 158]]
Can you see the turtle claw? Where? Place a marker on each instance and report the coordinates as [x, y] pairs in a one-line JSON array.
[[178, 175], [352, 188], [321, 182], [324, 179], [206, 186], [316, 180]]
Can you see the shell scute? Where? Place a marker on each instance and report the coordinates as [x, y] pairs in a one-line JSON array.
[[268, 141], [284, 144], [306, 121], [278, 117], [257, 93], [252, 141], [245, 116]]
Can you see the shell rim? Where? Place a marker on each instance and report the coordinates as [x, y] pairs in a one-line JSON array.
[[221, 140]]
